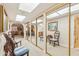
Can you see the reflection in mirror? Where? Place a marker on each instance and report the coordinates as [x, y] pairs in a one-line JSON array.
[[33, 31], [29, 27], [40, 31], [28, 31], [75, 29], [57, 32]]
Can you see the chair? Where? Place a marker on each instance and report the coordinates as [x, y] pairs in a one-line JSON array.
[[49, 37], [56, 38], [12, 36], [10, 47]]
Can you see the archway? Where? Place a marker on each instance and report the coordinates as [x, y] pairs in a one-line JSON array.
[[18, 29]]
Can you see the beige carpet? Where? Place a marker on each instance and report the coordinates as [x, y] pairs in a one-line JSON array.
[[74, 52], [57, 50], [33, 39]]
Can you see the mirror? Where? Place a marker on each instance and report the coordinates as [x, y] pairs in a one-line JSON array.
[[40, 32], [33, 31], [57, 32]]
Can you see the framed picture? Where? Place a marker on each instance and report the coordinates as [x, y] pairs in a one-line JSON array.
[[53, 26]]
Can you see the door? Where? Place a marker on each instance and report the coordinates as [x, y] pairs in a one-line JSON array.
[[76, 31]]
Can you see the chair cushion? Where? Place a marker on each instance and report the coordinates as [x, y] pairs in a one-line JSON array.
[[21, 51], [16, 49]]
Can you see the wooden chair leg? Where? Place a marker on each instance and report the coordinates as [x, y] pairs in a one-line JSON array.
[[54, 44]]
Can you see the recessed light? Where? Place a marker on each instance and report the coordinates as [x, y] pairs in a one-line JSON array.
[[20, 18]]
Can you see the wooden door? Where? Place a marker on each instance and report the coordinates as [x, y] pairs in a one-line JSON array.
[[76, 31], [1, 18]]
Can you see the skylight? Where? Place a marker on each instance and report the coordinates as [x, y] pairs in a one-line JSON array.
[[20, 18], [52, 15], [75, 7], [28, 7], [64, 11]]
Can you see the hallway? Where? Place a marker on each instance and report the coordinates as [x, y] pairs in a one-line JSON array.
[[45, 29]]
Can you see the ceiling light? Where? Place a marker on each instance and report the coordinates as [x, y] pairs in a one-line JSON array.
[[20, 18], [52, 15], [28, 7]]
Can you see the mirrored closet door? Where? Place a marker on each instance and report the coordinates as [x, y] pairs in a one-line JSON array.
[[40, 32], [33, 31], [57, 30]]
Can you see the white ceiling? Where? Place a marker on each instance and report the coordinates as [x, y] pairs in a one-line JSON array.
[[40, 8], [12, 10]]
